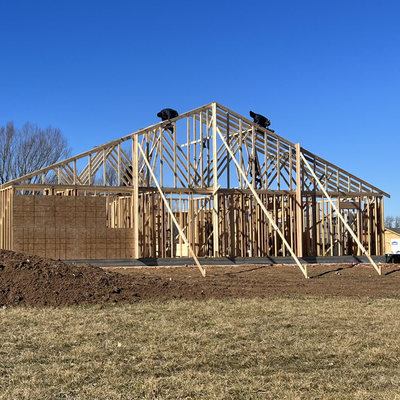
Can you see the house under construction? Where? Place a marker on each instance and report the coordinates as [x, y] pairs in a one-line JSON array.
[[208, 183]]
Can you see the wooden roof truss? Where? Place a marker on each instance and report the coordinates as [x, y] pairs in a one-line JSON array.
[[186, 158]]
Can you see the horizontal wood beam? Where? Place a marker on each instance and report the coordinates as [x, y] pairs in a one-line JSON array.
[[201, 191]]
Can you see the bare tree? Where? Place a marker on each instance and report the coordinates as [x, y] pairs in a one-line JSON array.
[[389, 221], [111, 177], [29, 149], [397, 222], [126, 172], [7, 150]]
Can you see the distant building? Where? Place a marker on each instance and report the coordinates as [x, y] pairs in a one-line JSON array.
[[391, 234]]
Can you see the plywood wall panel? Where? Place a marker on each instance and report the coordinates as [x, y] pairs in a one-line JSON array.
[[67, 228]]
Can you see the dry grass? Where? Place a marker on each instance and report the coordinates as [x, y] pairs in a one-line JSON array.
[[300, 348]]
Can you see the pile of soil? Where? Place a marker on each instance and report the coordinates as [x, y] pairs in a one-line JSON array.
[[35, 281], [29, 280]]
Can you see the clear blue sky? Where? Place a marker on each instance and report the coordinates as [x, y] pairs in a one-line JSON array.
[[327, 74]]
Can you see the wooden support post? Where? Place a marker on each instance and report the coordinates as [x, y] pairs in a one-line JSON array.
[[325, 231], [240, 153], [181, 223], [161, 146], [189, 184], [382, 227], [215, 183], [11, 220], [359, 223], [275, 220], [119, 165], [314, 223], [266, 158], [201, 150], [75, 173], [104, 168], [232, 226], [208, 147], [331, 229], [290, 168], [135, 195], [369, 223], [376, 224], [340, 242], [90, 169], [2, 214], [202, 270], [171, 228], [175, 158], [278, 164], [299, 206], [153, 235], [227, 158], [3, 233], [283, 222], [378, 269], [192, 206], [253, 157]]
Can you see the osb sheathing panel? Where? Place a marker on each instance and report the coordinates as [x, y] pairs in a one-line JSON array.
[[68, 228]]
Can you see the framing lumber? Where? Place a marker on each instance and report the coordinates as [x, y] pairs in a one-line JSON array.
[[354, 236], [302, 268], [299, 221], [202, 270], [135, 196]]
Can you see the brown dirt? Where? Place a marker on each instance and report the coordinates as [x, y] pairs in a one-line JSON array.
[[34, 281]]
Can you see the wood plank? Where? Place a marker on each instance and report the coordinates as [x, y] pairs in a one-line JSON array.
[[215, 184]]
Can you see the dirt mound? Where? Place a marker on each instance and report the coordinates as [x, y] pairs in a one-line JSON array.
[[35, 281]]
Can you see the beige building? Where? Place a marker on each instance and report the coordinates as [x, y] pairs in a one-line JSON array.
[[391, 233]]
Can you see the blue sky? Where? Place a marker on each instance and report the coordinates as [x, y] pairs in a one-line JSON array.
[[325, 73]]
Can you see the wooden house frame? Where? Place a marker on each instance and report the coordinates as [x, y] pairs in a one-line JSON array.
[[185, 187]]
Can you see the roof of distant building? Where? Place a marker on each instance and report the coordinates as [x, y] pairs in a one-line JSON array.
[[396, 230]]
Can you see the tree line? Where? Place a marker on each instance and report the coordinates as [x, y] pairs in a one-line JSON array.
[[392, 222]]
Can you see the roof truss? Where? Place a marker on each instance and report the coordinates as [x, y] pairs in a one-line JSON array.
[[193, 156]]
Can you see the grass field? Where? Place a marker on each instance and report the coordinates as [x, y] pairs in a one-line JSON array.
[[283, 348]]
